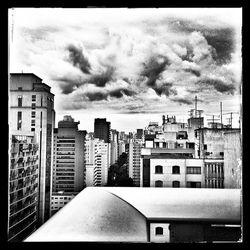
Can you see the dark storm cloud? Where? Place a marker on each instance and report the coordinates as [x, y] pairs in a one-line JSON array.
[[67, 84], [118, 93], [182, 100], [103, 95], [220, 38], [153, 68], [165, 89], [78, 59], [100, 80], [218, 85], [194, 72], [96, 96]]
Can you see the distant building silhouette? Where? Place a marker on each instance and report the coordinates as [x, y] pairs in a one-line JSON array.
[[102, 129]]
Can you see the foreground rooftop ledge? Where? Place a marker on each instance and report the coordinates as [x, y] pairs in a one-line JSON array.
[[121, 214]]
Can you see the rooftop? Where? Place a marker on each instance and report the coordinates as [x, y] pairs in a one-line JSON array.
[[120, 214]]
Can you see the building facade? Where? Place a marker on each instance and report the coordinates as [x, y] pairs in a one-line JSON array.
[[134, 158], [59, 200], [68, 165], [102, 129], [31, 106], [233, 159], [177, 168], [97, 160], [23, 188]]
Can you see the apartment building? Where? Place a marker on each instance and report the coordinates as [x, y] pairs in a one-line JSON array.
[[31, 108], [23, 188], [134, 159], [68, 165], [97, 160]]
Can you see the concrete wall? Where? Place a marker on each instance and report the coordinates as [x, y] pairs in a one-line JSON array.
[[165, 237], [232, 160]]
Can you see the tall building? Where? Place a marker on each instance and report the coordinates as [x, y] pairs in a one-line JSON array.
[[114, 153], [97, 158], [23, 188], [68, 165], [31, 106], [102, 129], [134, 157], [139, 133]]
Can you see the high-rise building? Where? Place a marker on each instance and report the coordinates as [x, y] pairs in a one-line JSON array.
[[97, 155], [134, 168], [102, 129], [31, 106], [114, 153], [68, 165], [23, 182], [139, 133]]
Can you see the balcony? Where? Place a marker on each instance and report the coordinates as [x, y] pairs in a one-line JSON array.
[[122, 214]]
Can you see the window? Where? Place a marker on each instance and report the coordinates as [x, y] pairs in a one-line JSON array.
[[33, 98], [33, 129], [221, 153], [158, 184], [20, 88], [158, 231], [205, 146], [175, 184], [192, 184], [175, 170], [158, 169], [193, 170], [20, 99], [19, 120], [33, 105], [33, 114], [33, 122]]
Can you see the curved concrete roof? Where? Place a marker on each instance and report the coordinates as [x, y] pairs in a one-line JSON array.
[[200, 204], [94, 215], [120, 214]]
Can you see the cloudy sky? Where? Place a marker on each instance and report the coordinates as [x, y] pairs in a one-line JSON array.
[[131, 65]]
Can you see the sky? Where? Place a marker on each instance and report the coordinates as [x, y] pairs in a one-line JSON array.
[[131, 66]]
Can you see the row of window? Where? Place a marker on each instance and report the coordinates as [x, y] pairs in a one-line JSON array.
[[176, 170], [33, 99], [191, 184]]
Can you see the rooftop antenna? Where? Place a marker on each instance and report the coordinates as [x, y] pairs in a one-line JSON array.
[[231, 117], [221, 114]]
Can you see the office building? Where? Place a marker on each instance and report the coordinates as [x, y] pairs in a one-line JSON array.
[[31, 106], [102, 129]]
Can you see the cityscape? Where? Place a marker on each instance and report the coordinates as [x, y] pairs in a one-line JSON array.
[[132, 133]]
